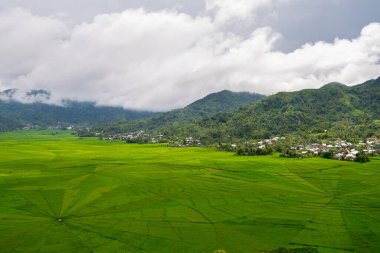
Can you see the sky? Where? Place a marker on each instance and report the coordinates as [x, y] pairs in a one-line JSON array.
[[163, 54]]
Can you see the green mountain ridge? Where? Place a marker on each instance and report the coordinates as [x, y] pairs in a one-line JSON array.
[[219, 102], [334, 85], [343, 110], [333, 107], [222, 101]]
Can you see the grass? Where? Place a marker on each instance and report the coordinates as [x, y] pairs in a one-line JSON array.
[[59, 193]]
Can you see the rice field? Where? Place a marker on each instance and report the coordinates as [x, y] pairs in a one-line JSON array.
[[60, 193]]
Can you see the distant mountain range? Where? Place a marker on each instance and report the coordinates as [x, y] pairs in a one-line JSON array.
[[27, 96], [21, 108], [223, 116], [335, 109]]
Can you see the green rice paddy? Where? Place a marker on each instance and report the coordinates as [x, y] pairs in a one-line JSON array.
[[59, 193]]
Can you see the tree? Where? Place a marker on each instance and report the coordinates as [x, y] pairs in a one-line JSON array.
[[328, 154], [290, 153], [362, 157]]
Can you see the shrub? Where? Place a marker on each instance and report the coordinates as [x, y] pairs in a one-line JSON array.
[[290, 153], [362, 157]]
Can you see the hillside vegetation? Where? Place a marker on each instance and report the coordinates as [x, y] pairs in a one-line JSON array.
[[337, 108], [334, 109], [15, 115], [177, 120]]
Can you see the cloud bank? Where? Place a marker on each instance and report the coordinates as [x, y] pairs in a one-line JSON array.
[[166, 59]]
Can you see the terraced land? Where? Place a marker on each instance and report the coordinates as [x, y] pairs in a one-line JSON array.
[[59, 193]]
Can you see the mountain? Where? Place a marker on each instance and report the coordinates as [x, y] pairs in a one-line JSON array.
[[18, 109], [28, 96], [7, 94], [335, 109], [223, 101]]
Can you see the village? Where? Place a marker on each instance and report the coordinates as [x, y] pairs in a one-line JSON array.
[[340, 149], [133, 137], [333, 149], [337, 149]]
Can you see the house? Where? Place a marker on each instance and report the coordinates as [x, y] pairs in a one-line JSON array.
[[350, 157], [339, 156], [354, 152]]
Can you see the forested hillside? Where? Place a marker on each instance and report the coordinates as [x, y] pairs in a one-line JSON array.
[[334, 109], [177, 120], [15, 114]]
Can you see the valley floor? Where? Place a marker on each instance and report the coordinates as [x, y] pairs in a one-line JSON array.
[[59, 193]]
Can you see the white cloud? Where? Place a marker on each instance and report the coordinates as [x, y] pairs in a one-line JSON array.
[[227, 10], [24, 41], [167, 59]]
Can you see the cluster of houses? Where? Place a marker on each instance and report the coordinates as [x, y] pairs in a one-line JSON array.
[[133, 137], [158, 139], [64, 126], [340, 149], [262, 147], [57, 126], [187, 142], [269, 142], [143, 137], [261, 144], [122, 137]]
